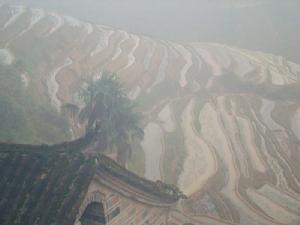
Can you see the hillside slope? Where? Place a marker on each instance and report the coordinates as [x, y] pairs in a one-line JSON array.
[[221, 122], [266, 25]]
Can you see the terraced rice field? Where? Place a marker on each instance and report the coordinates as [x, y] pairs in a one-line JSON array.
[[209, 110]]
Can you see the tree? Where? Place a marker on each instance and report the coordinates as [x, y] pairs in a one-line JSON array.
[[71, 111], [111, 114]]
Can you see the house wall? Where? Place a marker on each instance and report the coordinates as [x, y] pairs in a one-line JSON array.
[[120, 210]]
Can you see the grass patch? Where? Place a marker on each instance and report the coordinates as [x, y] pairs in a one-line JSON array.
[[25, 114]]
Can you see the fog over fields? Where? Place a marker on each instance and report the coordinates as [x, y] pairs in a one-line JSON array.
[[267, 25], [216, 85]]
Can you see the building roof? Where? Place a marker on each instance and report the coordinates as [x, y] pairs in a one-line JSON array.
[[42, 188], [47, 184]]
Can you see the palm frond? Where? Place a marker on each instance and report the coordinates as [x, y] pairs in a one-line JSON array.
[[108, 107]]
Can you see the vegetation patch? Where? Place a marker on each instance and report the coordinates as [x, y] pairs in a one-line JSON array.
[[25, 115]]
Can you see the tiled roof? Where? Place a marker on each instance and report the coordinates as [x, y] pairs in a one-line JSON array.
[[42, 187], [45, 185]]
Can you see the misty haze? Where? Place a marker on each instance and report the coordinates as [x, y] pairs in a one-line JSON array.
[[139, 112]]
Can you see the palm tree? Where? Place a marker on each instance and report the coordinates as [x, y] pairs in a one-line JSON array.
[[108, 111]]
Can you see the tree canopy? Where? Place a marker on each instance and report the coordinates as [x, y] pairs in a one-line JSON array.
[[111, 114]]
